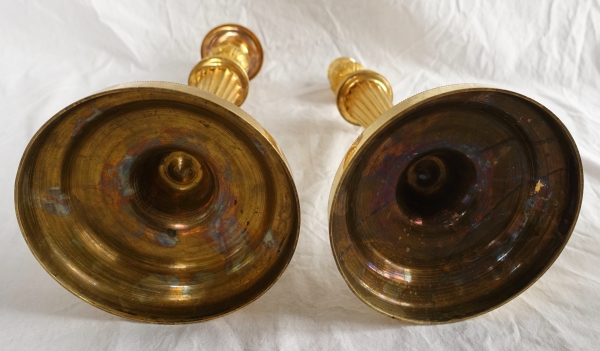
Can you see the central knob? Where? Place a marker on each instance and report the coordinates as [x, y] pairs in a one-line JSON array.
[[436, 183], [180, 170], [427, 175], [172, 188]]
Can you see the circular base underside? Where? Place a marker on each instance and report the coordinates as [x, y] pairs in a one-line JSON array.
[[453, 203], [157, 202]]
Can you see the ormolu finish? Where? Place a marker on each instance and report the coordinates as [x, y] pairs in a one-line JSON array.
[[232, 55], [453, 202], [362, 95], [158, 202]]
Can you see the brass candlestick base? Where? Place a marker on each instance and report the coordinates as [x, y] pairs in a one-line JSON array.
[[162, 202], [452, 202]]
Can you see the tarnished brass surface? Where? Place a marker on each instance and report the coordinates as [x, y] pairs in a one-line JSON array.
[[158, 202], [452, 202]]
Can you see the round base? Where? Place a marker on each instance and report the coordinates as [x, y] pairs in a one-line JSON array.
[[243, 34], [453, 202], [157, 202]]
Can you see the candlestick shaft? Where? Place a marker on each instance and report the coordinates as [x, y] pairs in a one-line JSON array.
[[362, 95], [232, 55]]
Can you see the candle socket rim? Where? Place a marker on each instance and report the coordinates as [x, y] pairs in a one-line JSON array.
[[242, 34]]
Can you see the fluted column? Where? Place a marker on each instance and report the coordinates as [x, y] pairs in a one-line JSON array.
[[362, 95], [231, 57]]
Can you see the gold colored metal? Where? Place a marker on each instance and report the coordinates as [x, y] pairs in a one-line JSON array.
[[452, 202], [362, 95], [180, 170], [231, 56], [161, 202]]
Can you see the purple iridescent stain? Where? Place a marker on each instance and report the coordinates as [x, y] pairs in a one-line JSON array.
[[56, 202], [83, 121]]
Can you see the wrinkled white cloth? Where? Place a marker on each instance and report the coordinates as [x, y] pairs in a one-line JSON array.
[[53, 53]]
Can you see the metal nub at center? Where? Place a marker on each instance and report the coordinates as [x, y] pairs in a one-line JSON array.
[[180, 170]]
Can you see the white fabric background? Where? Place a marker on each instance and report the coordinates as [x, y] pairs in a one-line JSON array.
[[55, 52]]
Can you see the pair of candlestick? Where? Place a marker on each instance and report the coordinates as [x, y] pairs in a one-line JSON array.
[[167, 203]]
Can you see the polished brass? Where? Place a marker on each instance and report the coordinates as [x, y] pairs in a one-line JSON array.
[[231, 56], [452, 202], [362, 95], [161, 202]]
